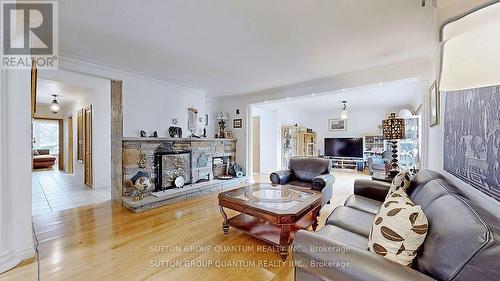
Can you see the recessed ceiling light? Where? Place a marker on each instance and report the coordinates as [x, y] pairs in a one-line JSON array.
[[343, 90], [380, 83], [312, 95], [287, 99], [266, 101]]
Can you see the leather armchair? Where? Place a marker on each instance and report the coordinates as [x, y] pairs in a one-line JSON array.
[[307, 172], [377, 162]]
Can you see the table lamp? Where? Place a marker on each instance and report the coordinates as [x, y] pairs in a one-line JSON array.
[[393, 129]]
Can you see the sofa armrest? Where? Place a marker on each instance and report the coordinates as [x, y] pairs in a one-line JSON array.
[[372, 189], [332, 260], [281, 177], [320, 182]]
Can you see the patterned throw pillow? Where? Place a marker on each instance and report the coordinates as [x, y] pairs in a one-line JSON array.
[[399, 229], [400, 181]]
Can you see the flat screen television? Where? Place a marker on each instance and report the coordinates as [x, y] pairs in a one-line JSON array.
[[344, 147]]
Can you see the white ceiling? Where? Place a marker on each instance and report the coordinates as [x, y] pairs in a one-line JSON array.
[[229, 47], [67, 94], [399, 94]]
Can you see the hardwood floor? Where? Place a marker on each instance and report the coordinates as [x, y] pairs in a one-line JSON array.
[[182, 241]]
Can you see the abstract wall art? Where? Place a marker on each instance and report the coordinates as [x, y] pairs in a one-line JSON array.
[[472, 137]]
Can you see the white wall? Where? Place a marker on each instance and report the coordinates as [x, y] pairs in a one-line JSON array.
[[43, 111], [470, 60], [16, 242], [148, 104], [151, 105], [269, 139]]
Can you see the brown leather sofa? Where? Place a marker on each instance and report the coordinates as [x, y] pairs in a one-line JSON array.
[[42, 159], [308, 172], [462, 242]]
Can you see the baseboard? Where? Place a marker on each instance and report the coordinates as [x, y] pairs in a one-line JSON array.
[[10, 259]]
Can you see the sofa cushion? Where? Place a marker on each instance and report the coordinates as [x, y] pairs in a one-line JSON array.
[[363, 204], [353, 220], [307, 168], [421, 178], [399, 229], [300, 184], [456, 236], [344, 236], [44, 158], [432, 190]]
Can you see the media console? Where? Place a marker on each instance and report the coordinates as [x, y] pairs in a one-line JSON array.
[[348, 163]]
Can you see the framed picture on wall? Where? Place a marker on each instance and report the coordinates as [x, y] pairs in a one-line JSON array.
[[337, 124], [237, 123], [434, 105]]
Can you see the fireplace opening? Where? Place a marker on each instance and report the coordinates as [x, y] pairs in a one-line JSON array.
[[170, 166], [220, 166]]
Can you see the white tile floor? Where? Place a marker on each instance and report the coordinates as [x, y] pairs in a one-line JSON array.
[[55, 191]]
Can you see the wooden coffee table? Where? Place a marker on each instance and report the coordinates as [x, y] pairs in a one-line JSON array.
[[271, 213]]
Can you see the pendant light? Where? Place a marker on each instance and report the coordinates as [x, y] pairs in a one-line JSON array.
[[54, 107], [343, 113]]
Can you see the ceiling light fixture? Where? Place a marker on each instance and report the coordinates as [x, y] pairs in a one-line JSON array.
[[424, 3], [343, 113], [287, 99], [54, 107]]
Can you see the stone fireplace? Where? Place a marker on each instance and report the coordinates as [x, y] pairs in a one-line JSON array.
[[199, 161]]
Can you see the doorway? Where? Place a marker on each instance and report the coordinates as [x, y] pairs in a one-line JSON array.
[[256, 144], [81, 98]]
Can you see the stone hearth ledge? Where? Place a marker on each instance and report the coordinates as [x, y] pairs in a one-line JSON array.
[[177, 194], [173, 139]]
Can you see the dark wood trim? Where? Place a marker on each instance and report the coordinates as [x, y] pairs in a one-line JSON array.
[[34, 78], [70, 157], [88, 169]]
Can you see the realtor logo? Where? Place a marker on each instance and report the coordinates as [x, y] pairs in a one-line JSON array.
[[29, 34]]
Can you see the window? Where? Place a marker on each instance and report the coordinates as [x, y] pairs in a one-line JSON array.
[[46, 135]]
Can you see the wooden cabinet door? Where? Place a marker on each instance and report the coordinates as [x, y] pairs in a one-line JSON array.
[[87, 161]]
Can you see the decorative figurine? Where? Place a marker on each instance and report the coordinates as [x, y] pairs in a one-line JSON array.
[[143, 134], [175, 132], [141, 185], [154, 135], [142, 161], [222, 117]]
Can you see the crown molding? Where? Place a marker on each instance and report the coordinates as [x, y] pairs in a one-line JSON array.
[[116, 71]]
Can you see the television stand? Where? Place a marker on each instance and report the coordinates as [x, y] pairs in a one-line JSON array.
[[348, 163]]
